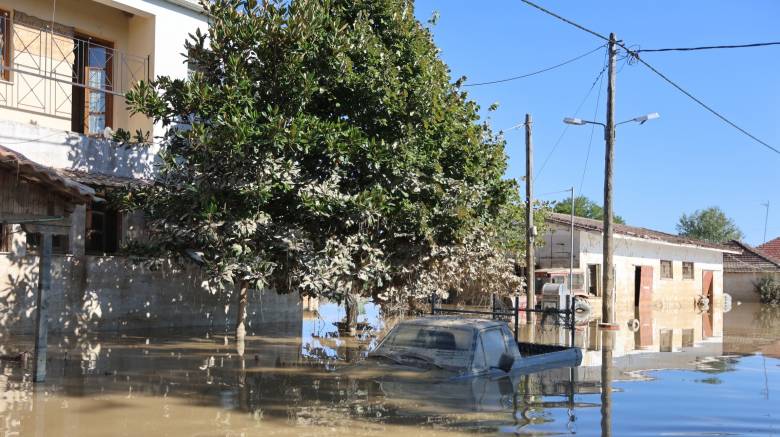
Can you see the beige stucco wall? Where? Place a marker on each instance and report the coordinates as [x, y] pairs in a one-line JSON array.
[[741, 286], [21, 96]]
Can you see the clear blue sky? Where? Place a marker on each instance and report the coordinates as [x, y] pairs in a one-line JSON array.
[[686, 160]]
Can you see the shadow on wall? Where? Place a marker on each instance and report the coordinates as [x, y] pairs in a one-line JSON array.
[[98, 155], [73, 151], [98, 293]]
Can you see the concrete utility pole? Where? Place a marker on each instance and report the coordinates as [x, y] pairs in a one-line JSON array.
[[571, 247], [529, 220], [608, 277]]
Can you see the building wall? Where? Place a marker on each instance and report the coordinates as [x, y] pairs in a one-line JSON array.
[[28, 99], [157, 28], [62, 149], [96, 293], [741, 286], [631, 252]]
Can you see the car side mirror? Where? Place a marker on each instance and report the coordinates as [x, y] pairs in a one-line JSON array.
[[506, 362]]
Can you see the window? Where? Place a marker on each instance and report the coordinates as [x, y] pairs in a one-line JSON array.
[[594, 279], [577, 281], [92, 105], [666, 269], [102, 229], [494, 346], [687, 268], [5, 45], [6, 233], [59, 244]]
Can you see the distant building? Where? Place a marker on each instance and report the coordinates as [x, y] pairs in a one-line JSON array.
[[771, 248], [742, 270], [651, 267]]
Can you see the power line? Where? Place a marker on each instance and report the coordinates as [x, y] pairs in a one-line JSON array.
[[566, 128], [522, 76], [687, 49], [592, 129], [635, 55], [705, 106]]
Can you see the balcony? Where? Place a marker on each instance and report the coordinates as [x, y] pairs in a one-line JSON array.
[[57, 77]]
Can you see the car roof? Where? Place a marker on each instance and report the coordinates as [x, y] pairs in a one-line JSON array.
[[453, 322]]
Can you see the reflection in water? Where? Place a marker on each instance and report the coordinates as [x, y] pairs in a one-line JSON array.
[[292, 380], [607, 341]]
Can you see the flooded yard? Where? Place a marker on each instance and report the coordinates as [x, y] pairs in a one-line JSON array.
[[673, 378]]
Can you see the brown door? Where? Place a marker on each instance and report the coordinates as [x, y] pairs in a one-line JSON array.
[[645, 286], [644, 310], [707, 291]]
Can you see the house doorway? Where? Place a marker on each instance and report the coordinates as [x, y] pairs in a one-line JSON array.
[[707, 291], [643, 286], [643, 308]]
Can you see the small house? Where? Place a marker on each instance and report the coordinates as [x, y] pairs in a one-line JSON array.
[[741, 271], [651, 267]]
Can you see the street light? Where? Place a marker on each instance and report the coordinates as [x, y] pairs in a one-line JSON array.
[[642, 119], [608, 304]]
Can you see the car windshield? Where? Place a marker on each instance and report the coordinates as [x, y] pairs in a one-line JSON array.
[[445, 347]]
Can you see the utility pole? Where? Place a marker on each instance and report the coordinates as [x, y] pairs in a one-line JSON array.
[[766, 218], [529, 221], [608, 277], [571, 245]]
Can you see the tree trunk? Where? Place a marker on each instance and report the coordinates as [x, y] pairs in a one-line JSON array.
[[350, 304], [243, 287]]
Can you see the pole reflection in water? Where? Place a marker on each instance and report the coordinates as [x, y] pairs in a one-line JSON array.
[[607, 344]]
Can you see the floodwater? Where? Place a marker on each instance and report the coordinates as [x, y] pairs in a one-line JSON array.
[[677, 373]]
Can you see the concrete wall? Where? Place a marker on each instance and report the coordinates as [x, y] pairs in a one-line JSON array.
[[741, 286], [63, 149], [95, 293]]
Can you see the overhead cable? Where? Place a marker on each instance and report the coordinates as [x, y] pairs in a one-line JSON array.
[[534, 73], [688, 49], [566, 127], [635, 55]]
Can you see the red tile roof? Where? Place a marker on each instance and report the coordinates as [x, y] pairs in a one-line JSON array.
[[750, 260], [771, 248]]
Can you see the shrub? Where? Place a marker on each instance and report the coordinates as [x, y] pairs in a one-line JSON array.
[[768, 288]]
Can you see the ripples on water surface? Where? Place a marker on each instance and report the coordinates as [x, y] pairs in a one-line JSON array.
[[286, 384]]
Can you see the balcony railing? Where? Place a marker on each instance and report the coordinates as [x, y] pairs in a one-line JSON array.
[[47, 68]]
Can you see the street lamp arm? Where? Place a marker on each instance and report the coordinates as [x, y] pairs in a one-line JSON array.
[[580, 122]]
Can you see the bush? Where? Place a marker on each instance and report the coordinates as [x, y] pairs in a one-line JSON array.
[[768, 288]]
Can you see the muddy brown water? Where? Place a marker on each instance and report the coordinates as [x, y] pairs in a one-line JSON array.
[[668, 377]]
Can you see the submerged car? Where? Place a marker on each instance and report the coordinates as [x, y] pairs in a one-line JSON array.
[[464, 348]]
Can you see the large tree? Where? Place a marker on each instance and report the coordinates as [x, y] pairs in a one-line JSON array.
[[321, 147], [710, 224], [583, 207]]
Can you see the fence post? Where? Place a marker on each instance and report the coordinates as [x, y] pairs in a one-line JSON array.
[[570, 311], [517, 316], [433, 304], [493, 304]]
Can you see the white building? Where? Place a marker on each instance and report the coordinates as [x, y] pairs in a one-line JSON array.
[[654, 271]]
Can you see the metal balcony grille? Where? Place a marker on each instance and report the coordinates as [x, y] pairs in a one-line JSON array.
[[45, 68]]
